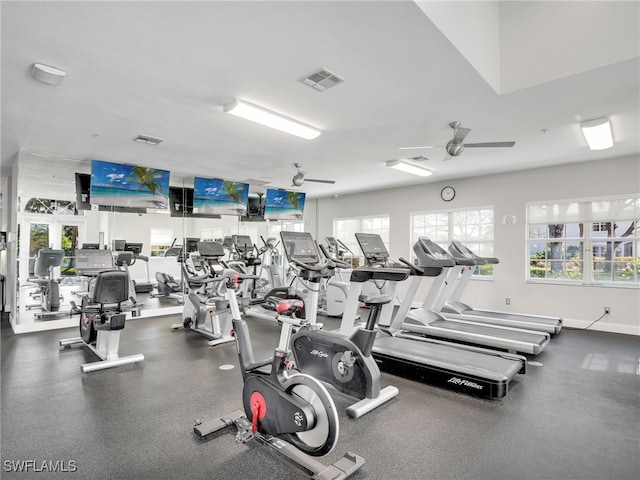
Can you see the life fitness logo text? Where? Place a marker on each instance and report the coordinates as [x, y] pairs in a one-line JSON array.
[[465, 383], [319, 353]]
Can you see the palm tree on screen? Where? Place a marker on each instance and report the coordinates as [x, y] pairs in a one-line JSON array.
[[146, 177]]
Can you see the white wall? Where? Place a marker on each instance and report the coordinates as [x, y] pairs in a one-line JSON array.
[[508, 193]]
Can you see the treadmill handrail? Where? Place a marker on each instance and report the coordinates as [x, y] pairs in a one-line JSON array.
[[459, 250], [422, 271]]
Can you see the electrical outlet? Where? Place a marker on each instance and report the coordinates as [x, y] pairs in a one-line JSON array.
[[507, 301], [607, 310]]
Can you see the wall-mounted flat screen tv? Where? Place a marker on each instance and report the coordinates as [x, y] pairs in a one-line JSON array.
[[122, 185], [283, 205], [181, 203], [83, 197], [219, 197]]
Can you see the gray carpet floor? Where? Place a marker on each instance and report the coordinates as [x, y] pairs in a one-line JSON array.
[[575, 416]]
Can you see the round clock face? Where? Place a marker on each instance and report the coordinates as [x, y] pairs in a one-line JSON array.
[[447, 194]]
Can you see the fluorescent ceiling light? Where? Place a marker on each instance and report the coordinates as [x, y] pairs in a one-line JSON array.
[[271, 119], [408, 167], [597, 132]]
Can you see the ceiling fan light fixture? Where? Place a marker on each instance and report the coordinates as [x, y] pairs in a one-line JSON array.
[[454, 149], [597, 133], [407, 167], [257, 114]]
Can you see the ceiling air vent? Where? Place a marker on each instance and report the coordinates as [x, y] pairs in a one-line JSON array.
[[148, 139], [322, 79]]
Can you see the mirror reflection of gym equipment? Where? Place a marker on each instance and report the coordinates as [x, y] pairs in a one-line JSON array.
[[48, 287]]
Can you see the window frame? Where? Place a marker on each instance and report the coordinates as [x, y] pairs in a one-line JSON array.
[[352, 243], [159, 252], [590, 215], [484, 272]]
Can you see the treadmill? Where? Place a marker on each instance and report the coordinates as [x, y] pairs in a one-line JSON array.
[[451, 306], [466, 369], [433, 262]]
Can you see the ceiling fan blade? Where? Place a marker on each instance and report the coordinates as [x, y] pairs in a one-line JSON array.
[[461, 132], [489, 144], [319, 181], [415, 148]]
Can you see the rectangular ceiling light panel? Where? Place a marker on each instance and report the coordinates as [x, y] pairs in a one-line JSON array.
[[254, 113], [597, 133], [407, 167]]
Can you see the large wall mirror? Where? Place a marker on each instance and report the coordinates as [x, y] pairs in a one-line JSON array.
[[51, 229]]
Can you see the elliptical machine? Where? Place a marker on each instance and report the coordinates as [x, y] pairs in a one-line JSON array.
[[209, 318], [290, 412], [343, 362]]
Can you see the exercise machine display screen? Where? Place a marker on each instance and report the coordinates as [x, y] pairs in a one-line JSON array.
[[46, 259], [136, 248], [191, 244], [210, 249], [92, 262], [243, 243], [372, 246], [300, 246]]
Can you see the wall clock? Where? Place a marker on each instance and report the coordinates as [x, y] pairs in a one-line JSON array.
[[447, 193]]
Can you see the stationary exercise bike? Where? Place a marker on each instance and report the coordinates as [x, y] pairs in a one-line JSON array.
[[48, 286], [102, 319], [343, 362], [290, 412]]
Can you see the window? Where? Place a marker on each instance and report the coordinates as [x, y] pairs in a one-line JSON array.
[[275, 228], [474, 228], [38, 238], [346, 228], [69, 243], [211, 234], [585, 242], [161, 240]]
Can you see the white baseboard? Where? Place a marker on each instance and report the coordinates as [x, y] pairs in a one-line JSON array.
[[602, 326]]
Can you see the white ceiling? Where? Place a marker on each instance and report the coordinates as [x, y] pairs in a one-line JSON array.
[[507, 70]]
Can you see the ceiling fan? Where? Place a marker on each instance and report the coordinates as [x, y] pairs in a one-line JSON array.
[[455, 146], [298, 178]]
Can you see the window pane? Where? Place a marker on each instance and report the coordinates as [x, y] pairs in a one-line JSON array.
[[38, 238], [625, 228], [624, 272], [573, 230], [69, 243], [573, 251]]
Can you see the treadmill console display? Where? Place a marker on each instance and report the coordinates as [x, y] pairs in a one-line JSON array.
[[300, 246], [372, 246], [92, 262]]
